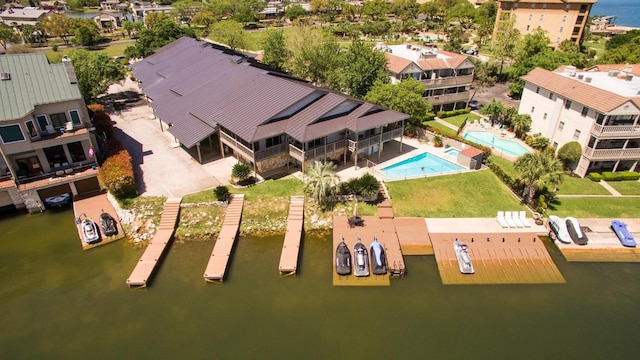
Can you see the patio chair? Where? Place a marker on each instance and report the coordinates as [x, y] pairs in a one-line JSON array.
[[501, 220], [509, 220], [516, 219], [523, 218]]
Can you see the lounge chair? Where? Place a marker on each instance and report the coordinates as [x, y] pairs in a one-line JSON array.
[[516, 219], [523, 218], [501, 220], [509, 220]]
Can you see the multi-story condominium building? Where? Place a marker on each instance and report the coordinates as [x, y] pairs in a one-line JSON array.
[[599, 109], [259, 115], [447, 77], [140, 9], [561, 19], [18, 17], [46, 146]]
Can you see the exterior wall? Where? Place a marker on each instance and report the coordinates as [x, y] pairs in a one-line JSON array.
[[558, 19]]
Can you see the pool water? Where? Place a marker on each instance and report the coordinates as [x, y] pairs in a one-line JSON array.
[[423, 164], [488, 139], [452, 152]]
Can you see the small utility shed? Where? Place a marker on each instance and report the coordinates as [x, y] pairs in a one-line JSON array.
[[471, 157]]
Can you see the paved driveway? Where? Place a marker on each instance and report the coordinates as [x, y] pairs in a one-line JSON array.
[[162, 167]]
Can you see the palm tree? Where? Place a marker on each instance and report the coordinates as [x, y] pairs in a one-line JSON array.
[[538, 170], [321, 181], [521, 123], [494, 109]]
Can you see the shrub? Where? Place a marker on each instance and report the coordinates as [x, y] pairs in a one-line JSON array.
[[537, 142], [594, 176], [366, 186], [222, 193], [101, 120], [430, 116], [241, 171], [445, 114], [620, 176], [54, 47], [629, 175], [116, 175], [570, 153]]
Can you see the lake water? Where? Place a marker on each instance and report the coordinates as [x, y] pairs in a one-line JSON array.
[[627, 11], [57, 301]]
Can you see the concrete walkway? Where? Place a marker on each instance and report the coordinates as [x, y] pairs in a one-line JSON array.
[[609, 188]]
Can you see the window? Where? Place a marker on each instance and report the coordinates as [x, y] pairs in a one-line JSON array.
[[76, 151], [528, 27], [75, 117], [576, 135], [11, 133], [544, 6], [515, 6], [530, 17], [42, 122], [561, 28], [561, 125], [555, 145], [564, 18], [538, 90], [550, 96], [533, 6], [31, 129], [544, 117], [585, 111], [541, 17], [567, 104], [568, 7], [533, 108], [58, 120]]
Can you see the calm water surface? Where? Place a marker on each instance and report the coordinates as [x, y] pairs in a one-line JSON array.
[[627, 11], [57, 301]]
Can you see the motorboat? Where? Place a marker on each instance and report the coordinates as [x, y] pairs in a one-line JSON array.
[[108, 224], [90, 231], [343, 259], [575, 232], [361, 258], [462, 255], [559, 229], [58, 200], [378, 258], [620, 228]]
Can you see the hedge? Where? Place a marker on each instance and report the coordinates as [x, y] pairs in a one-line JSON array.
[[446, 114], [594, 176], [620, 176], [116, 175]]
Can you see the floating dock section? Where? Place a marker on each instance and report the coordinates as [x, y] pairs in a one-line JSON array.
[[291, 246], [91, 207], [153, 253], [221, 253]]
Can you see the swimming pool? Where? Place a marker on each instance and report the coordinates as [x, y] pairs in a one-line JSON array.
[[423, 164], [488, 139], [452, 152]]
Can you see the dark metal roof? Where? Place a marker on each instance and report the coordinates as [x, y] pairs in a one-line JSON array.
[[196, 87]]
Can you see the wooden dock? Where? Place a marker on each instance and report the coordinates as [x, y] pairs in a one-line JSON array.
[[91, 207], [603, 244], [153, 253], [498, 258], [223, 247], [291, 246]]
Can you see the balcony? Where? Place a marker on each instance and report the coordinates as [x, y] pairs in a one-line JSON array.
[[448, 81], [316, 152], [57, 177], [612, 154], [449, 98], [375, 139], [618, 131]]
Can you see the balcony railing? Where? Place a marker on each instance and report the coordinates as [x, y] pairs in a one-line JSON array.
[[626, 131], [316, 152], [374, 139], [449, 80], [447, 98], [612, 154]]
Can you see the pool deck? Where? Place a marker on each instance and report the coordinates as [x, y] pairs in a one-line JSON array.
[[498, 134], [603, 245]]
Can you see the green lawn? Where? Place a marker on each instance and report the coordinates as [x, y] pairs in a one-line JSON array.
[[475, 194], [626, 187], [579, 186], [459, 119], [596, 207], [598, 45], [111, 50], [445, 129], [505, 165]]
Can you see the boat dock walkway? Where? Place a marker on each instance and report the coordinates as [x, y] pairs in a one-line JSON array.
[[153, 253], [223, 247], [291, 246], [91, 207], [603, 244]]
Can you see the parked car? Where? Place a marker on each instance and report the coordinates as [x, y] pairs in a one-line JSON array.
[[474, 105]]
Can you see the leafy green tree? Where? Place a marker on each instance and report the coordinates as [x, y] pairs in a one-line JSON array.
[[241, 171], [505, 41], [315, 56], [463, 12], [627, 53], [495, 110], [57, 25], [153, 18], [321, 182], [406, 97], [485, 18], [568, 46], [454, 39], [86, 35], [7, 35], [531, 44], [521, 123], [351, 11], [484, 75], [185, 10], [294, 11], [375, 9], [222, 193], [621, 39], [363, 66], [275, 49], [538, 170], [405, 9], [95, 72], [570, 153], [228, 32], [538, 142], [159, 35]]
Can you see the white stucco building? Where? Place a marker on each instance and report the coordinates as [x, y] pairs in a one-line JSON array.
[[599, 108]]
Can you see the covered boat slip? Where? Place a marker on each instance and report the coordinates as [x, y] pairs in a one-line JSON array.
[[385, 231], [603, 244], [217, 266], [91, 207], [153, 253], [291, 246]]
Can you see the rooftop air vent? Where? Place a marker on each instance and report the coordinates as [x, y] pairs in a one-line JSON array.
[[5, 76], [613, 73], [587, 79]]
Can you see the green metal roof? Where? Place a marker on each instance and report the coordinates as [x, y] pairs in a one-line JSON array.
[[33, 82]]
